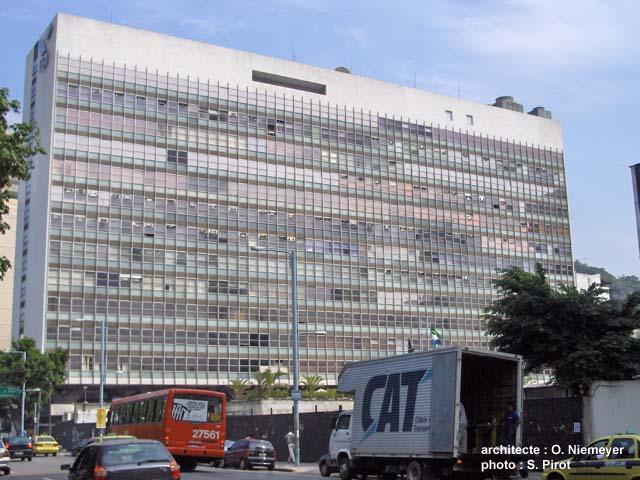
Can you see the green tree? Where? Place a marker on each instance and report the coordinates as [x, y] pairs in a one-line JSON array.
[[239, 387], [18, 143], [266, 381], [312, 383], [42, 370], [578, 335]]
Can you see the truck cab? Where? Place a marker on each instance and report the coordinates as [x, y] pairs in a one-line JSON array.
[[340, 441]]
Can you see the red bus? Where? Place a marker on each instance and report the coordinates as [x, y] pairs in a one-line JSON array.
[[191, 423]]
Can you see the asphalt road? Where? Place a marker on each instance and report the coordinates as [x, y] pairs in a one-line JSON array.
[[48, 468]]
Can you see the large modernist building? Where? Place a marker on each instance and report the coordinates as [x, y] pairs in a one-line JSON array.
[[167, 159]]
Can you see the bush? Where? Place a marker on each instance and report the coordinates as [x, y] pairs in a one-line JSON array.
[[280, 393]]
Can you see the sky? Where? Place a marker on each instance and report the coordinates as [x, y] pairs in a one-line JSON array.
[[578, 58]]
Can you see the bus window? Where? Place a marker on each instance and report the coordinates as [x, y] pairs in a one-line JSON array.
[[161, 403], [135, 412], [197, 408], [151, 410], [127, 413], [142, 414]]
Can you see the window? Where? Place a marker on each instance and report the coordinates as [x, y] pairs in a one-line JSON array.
[[343, 422], [623, 448], [449, 115], [469, 119], [593, 447], [87, 362], [288, 82], [196, 408]]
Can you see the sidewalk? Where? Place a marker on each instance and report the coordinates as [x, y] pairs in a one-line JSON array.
[[305, 468]]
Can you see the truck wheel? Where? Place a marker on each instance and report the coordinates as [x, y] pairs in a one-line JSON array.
[[344, 467], [414, 470], [325, 471], [244, 464]]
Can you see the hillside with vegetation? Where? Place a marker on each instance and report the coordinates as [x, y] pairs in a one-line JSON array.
[[619, 287]]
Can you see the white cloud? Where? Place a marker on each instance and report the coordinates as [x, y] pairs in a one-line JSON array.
[[353, 34], [543, 34]]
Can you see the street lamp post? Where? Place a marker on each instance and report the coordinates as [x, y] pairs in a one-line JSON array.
[[36, 407], [295, 394], [102, 367], [102, 370], [24, 387]]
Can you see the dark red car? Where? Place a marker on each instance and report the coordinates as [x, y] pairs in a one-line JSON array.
[[246, 454]]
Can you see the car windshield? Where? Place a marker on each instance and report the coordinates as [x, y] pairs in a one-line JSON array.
[[133, 453], [45, 439], [18, 440], [261, 443]]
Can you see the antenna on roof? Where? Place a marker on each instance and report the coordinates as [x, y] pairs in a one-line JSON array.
[[458, 88], [415, 84], [293, 51]]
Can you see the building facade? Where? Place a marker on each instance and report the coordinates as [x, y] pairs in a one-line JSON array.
[[585, 280], [167, 162], [8, 249]]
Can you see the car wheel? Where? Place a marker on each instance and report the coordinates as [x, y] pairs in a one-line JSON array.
[[46, 454], [325, 471], [344, 467], [22, 459], [30, 458], [272, 467], [55, 454], [243, 464]]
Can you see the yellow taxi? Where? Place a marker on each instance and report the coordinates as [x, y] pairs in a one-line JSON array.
[[607, 458], [45, 445]]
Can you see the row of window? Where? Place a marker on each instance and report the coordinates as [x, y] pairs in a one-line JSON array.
[[151, 410], [215, 213], [209, 101], [407, 250]]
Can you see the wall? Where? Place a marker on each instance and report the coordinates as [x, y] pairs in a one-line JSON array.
[[8, 249], [274, 407], [611, 407], [315, 429]]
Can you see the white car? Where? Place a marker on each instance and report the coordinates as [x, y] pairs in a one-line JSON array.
[[4, 460]]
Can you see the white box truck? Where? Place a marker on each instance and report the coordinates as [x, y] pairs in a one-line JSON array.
[[407, 416]]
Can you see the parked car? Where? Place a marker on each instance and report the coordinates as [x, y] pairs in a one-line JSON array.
[[19, 447], [326, 466], [45, 445], [615, 456], [248, 453], [106, 438], [124, 460], [4, 460], [220, 463]]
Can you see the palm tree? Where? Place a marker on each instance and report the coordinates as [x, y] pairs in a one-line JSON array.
[[239, 387], [312, 383], [266, 380]]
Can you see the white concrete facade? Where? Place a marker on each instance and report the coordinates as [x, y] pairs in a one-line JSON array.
[[585, 280], [113, 43]]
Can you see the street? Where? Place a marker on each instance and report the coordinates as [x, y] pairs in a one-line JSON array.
[[48, 468]]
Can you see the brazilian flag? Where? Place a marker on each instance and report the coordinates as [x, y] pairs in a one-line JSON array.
[[436, 336]]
